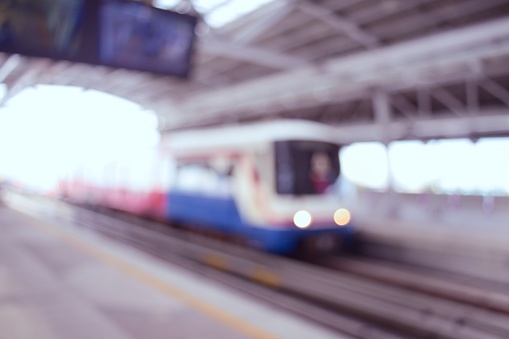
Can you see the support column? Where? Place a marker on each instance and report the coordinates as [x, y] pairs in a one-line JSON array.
[[383, 117]]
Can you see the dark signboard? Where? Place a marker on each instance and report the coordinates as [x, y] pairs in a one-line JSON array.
[[115, 33]]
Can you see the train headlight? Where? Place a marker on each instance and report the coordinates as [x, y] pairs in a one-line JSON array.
[[342, 217], [302, 219]]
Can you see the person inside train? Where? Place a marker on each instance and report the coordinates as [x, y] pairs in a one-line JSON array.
[[322, 175]]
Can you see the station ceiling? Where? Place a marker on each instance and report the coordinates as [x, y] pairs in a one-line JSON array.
[[377, 69]]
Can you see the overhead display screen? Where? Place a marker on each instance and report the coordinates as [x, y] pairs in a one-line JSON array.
[[116, 33], [136, 36], [49, 28]]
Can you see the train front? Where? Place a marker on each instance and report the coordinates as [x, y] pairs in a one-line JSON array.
[[306, 206]]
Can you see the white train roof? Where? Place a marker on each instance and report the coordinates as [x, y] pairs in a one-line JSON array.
[[241, 136]]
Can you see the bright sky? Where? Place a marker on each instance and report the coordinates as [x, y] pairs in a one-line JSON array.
[[46, 131], [443, 166], [218, 12], [365, 164]]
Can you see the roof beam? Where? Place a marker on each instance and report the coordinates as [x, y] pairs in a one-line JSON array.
[[305, 34], [382, 8], [496, 90], [338, 23], [255, 55], [325, 48], [50, 75], [28, 78], [448, 100], [336, 5], [121, 80], [8, 66], [404, 106], [491, 122], [434, 17], [410, 63], [263, 24], [295, 20]]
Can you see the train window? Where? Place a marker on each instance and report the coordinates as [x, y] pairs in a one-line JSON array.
[[202, 178], [306, 167]]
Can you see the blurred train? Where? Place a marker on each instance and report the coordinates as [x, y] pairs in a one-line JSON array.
[[276, 186]]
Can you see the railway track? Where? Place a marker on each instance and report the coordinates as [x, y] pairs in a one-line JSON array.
[[362, 299], [474, 291]]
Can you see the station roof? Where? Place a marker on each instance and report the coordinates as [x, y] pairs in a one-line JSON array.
[[320, 60]]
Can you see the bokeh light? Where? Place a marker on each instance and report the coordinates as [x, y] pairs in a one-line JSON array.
[[302, 219], [342, 217]]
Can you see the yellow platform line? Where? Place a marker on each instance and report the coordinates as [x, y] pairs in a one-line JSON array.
[[266, 277], [216, 261], [155, 282]]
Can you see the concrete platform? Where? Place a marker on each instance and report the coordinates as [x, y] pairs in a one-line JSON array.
[[60, 284]]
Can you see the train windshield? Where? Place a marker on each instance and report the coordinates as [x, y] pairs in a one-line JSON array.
[[306, 167]]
